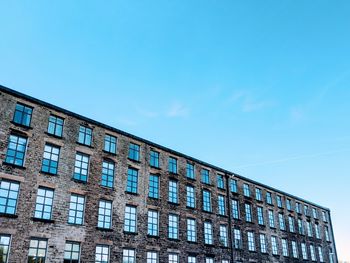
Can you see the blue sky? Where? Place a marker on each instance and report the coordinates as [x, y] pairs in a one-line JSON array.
[[257, 87]]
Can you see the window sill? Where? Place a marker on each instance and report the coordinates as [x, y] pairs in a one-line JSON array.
[[208, 212], [130, 233], [131, 193], [78, 181], [109, 153], [35, 219], [107, 188], [83, 144], [22, 125], [191, 207], [8, 215], [155, 167], [14, 165], [135, 161], [209, 245], [223, 216], [173, 173], [152, 236], [192, 242], [172, 203], [191, 179], [104, 229], [173, 239], [48, 173], [54, 135]]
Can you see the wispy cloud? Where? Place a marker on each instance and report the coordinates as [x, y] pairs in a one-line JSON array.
[[177, 110], [292, 158], [248, 101]]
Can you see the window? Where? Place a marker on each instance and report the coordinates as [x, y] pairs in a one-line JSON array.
[[132, 181], [263, 247], [291, 224], [248, 213], [85, 135], [324, 216], [190, 171], [152, 223], [154, 159], [191, 259], [107, 178], [233, 185], [300, 227], [326, 233], [289, 204], [207, 201], [285, 251], [173, 258], [43, 206], [130, 218], [303, 251], [306, 210], [314, 213], [105, 214], [281, 221], [190, 196], [271, 219], [153, 191], [72, 252], [55, 126], [246, 190], [152, 257], [298, 207], [220, 181], [76, 209], [235, 209], [269, 198], [16, 150], [279, 201], [8, 196], [274, 245], [172, 165], [312, 253], [295, 249], [81, 167], [173, 227], [309, 228], [205, 176], [50, 159], [110, 144], [223, 236], [173, 197], [260, 215], [221, 204], [129, 256], [191, 230], [331, 256], [320, 254], [134, 152], [208, 233], [258, 194], [23, 114], [237, 240], [37, 250], [209, 260], [102, 254], [5, 241], [251, 241]]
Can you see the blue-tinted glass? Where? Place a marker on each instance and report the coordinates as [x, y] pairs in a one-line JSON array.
[[22, 115], [153, 186], [16, 150], [132, 180], [205, 176]]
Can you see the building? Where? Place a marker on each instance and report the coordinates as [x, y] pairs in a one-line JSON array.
[[75, 190]]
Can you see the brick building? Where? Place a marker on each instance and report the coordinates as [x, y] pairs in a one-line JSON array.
[[76, 190]]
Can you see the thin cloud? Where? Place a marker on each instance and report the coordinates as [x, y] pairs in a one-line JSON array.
[[292, 158], [247, 101], [177, 110]]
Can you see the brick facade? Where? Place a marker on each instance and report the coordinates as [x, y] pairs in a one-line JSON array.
[[22, 225]]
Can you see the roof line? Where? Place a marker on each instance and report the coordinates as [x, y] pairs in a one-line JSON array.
[[81, 117]]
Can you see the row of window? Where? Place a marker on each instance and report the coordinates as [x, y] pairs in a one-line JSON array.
[[38, 250], [283, 247], [311, 229], [9, 191], [279, 201], [17, 147]]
